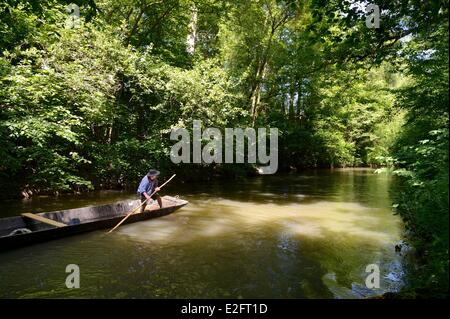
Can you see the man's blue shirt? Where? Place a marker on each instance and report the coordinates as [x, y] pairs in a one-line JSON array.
[[147, 186]]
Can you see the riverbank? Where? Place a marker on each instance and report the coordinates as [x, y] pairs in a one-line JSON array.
[[19, 189], [423, 207]]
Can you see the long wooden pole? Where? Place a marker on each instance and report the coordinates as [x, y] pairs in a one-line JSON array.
[[131, 212]]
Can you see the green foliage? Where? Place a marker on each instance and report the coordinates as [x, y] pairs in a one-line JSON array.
[[80, 108], [421, 155], [54, 98], [383, 140], [422, 201]]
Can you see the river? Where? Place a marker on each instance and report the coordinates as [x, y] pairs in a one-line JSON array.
[[304, 235]]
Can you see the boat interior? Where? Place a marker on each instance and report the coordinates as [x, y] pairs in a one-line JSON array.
[[22, 224]]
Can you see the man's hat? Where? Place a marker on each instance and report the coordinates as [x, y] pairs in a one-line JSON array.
[[153, 172]]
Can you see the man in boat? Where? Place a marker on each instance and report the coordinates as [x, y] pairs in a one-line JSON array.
[[148, 185]]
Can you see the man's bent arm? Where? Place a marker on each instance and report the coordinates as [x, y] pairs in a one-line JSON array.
[[143, 186]]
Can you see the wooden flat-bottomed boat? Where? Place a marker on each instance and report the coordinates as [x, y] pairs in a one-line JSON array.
[[34, 228]]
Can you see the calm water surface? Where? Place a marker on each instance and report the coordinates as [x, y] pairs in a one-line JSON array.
[[308, 235]]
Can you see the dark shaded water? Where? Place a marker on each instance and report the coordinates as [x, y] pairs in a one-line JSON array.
[[308, 235]]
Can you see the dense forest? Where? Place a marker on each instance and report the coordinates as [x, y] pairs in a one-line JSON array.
[[89, 94]]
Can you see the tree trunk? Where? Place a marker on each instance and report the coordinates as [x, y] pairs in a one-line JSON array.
[[255, 96], [135, 25], [109, 134], [192, 33]]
